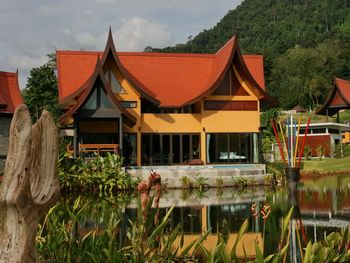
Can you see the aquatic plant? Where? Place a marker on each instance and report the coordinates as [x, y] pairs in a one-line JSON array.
[[200, 181], [219, 182], [186, 182]]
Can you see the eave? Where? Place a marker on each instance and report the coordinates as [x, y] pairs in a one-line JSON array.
[[77, 99], [234, 56], [140, 88], [326, 108]]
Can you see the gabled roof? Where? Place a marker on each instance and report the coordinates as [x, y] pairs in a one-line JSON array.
[[166, 79], [338, 98], [76, 99], [10, 95]]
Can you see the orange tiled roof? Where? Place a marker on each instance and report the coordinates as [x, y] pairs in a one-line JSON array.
[[9, 92], [344, 88], [173, 79], [338, 98]]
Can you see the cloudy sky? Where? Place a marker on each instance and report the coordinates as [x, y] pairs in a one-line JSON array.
[[30, 29]]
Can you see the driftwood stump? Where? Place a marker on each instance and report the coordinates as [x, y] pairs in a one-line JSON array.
[[30, 184]]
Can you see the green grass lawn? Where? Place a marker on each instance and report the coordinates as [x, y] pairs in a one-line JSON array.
[[344, 117], [327, 164]]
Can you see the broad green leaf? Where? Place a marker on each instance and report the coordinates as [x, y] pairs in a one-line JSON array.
[[259, 255], [243, 229], [308, 251]]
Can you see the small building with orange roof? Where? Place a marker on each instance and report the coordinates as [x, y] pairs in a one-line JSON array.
[[338, 100], [161, 108], [10, 98]]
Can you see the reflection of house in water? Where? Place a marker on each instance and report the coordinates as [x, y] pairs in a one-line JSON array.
[[196, 217], [323, 211]]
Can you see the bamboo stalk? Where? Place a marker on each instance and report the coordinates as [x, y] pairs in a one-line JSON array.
[[288, 142], [304, 141], [284, 140], [291, 140], [278, 140], [299, 242], [297, 142]]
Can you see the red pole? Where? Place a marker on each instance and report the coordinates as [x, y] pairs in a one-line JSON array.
[[304, 141], [278, 140]]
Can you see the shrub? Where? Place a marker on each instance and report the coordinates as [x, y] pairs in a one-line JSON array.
[[102, 174]]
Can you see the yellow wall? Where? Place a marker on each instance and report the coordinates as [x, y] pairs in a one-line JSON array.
[[231, 121], [346, 137], [171, 123]]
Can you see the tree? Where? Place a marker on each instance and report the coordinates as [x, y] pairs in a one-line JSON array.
[[41, 91]]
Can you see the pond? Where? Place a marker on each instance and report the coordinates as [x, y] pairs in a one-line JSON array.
[[320, 207]]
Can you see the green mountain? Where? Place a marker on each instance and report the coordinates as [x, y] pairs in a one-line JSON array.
[[305, 44]]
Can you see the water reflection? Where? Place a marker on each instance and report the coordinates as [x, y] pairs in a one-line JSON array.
[[320, 207]]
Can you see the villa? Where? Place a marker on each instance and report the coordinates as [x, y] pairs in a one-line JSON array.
[[10, 98], [161, 108]]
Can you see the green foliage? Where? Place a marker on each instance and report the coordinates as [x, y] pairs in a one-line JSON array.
[[307, 151], [41, 91], [69, 233], [219, 182], [238, 181], [320, 151], [200, 182], [186, 182], [276, 170], [334, 248], [342, 150], [104, 174]]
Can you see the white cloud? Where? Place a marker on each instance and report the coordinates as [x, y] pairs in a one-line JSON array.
[[136, 33], [89, 12], [104, 1], [26, 62], [66, 32], [85, 39]]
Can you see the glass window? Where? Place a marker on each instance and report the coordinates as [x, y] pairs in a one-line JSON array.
[[186, 150], [128, 104], [195, 146], [212, 153], [155, 149], [223, 147], [129, 149], [230, 147], [234, 151], [318, 131], [115, 85], [98, 138], [104, 100], [146, 149], [224, 87], [166, 155], [91, 103], [333, 131], [176, 148], [169, 148], [246, 148]]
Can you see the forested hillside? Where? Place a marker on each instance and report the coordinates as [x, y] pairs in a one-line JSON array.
[[306, 44]]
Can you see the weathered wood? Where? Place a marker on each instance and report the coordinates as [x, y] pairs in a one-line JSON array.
[[30, 184]]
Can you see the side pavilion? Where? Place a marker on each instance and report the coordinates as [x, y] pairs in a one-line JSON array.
[[10, 98]]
